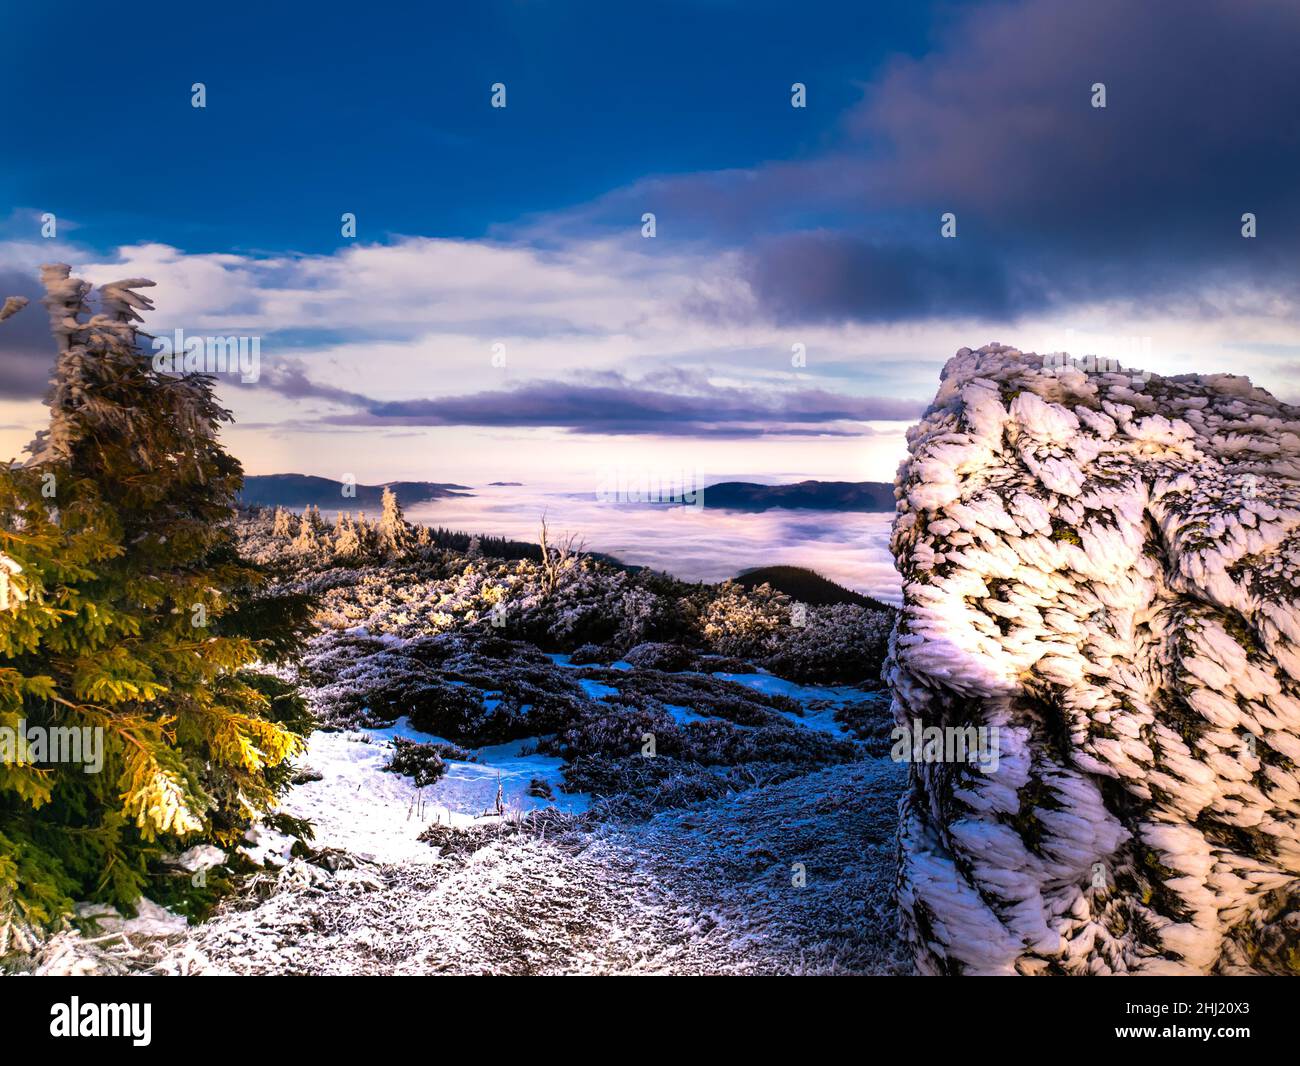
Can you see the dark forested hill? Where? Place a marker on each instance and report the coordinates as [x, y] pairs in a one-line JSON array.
[[302, 490], [809, 495], [806, 586]]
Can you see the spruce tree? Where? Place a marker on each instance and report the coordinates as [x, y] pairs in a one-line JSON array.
[[282, 524], [347, 545], [130, 613], [394, 537], [365, 534], [305, 543]]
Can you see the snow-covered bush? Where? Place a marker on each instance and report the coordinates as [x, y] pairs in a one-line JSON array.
[[745, 622], [659, 655], [840, 642], [423, 763]]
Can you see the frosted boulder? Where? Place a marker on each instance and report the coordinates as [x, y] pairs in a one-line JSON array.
[[1100, 572]]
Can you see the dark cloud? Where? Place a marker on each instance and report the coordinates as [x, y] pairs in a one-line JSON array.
[[670, 404], [1058, 203], [26, 347], [835, 276], [1200, 115], [1062, 202], [290, 380]]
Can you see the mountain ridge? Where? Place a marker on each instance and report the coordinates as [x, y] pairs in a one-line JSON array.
[[806, 586], [810, 495], [303, 490]]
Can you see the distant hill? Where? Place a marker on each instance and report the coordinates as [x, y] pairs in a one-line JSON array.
[[806, 586], [807, 495], [302, 490]]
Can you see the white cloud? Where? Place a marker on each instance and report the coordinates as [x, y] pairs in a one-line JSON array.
[[418, 317]]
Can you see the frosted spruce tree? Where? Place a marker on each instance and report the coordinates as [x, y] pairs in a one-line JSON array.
[[306, 544], [282, 524], [346, 544], [392, 533], [134, 617]]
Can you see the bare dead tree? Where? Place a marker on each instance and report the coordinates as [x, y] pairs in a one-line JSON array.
[[557, 561]]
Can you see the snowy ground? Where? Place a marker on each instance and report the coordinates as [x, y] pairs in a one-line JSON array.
[[794, 877], [358, 808], [708, 889]]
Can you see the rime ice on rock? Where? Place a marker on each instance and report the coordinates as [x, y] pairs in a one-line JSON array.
[[1108, 573]]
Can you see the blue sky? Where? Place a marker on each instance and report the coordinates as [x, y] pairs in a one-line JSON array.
[[384, 107], [500, 313]]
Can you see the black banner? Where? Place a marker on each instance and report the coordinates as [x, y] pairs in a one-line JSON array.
[[170, 1015]]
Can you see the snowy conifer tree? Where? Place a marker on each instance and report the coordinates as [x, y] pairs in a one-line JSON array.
[[282, 525], [393, 536], [1102, 572], [347, 545], [365, 534], [305, 543], [129, 621]]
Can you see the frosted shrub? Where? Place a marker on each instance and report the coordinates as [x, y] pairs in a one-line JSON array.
[[841, 642], [744, 623]]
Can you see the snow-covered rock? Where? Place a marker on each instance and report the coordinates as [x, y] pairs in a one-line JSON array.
[[1104, 567]]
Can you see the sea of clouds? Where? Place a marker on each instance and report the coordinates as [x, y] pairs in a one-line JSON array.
[[692, 543]]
